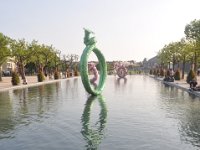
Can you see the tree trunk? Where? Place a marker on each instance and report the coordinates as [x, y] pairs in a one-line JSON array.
[[22, 71], [173, 67], [183, 69], [178, 65], [23, 74], [0, 73], [46, 67], [46, 71], [40, 68], [195, 62]]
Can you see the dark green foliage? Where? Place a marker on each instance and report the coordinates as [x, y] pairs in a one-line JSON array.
[[192, 30], [177, 75], [56, 75], [162, 73], [191, 76], [40, 76], [15, 78]]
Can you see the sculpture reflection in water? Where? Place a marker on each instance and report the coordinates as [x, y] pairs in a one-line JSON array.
[[91, 135], [124, 80], [120, 84]]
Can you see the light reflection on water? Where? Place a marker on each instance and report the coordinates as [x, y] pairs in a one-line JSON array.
[[133, 113]]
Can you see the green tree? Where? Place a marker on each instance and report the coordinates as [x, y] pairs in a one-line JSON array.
[[177, 52], [22, 53], [48, 55], [192, 32], [4, 51], [37, 58], [44, 56], [174, 52], [185, 53], [166, 55]]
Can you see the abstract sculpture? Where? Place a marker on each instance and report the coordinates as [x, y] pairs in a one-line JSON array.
[[121, 70], [90, 46]]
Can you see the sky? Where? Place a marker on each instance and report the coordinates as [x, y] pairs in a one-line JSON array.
[[124, 29]]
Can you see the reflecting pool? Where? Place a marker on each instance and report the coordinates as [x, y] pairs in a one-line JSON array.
[[136, 113]]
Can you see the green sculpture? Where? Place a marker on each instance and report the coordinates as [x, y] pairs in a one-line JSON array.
[[90, 46]]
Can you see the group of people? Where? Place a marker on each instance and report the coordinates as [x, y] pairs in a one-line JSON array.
[[170, 77], [193, 85]]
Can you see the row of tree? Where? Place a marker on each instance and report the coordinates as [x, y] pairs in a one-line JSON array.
[[35, 57], [183, 51]]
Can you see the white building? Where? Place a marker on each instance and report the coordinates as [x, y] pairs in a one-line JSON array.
[[8, 66]]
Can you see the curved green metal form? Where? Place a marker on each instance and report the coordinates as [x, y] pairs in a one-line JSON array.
[[91, 47]]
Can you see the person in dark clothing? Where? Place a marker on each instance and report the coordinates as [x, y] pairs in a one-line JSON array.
[[193, 84]]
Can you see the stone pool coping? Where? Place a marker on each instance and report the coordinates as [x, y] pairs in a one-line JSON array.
[[6, 84], [181, 84]]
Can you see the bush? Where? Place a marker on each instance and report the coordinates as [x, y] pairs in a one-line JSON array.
[[76, 73], [15, 78], [40, 77], [177, 75], [191, 76], [56, 75]]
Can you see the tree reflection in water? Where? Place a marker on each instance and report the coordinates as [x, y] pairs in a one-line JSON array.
[[7, 122], [21, 107], [190, 125], [186, 109], [91, 135]]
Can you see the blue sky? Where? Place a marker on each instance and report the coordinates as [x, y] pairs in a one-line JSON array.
[[124, 29]]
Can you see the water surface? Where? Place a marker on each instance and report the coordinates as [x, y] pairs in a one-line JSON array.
[[134, 113]]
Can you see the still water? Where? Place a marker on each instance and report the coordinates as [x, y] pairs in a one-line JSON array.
[[136, 113]]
